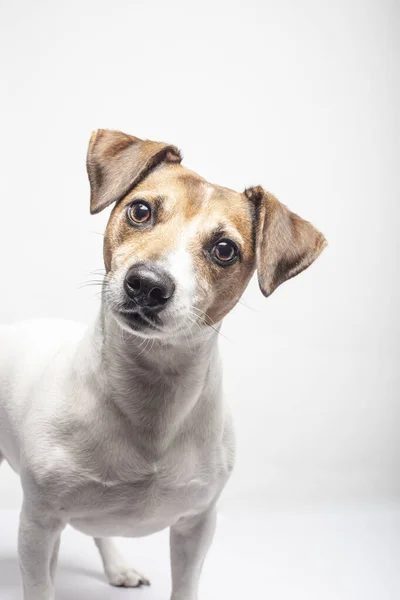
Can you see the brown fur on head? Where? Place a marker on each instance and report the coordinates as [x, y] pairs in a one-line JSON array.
[[189, 216]]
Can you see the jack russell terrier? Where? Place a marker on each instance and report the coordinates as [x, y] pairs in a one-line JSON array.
[[120, 429]]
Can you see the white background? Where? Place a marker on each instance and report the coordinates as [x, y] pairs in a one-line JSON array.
[[301, 97]]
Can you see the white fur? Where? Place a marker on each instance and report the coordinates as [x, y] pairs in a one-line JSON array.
[[179, 264], [114, 440]]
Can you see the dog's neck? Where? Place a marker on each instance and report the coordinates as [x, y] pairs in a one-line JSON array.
[[160, 387]]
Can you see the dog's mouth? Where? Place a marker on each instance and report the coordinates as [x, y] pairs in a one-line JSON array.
[[139, 319]]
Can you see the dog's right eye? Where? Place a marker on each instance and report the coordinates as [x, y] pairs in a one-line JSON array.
[[225, 252], [138, 213]]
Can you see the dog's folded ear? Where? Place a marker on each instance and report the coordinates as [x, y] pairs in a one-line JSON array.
[[285, 243], [116, 162]]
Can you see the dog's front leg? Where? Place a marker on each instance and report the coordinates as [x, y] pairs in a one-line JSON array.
[[38, 540], [190, 540]]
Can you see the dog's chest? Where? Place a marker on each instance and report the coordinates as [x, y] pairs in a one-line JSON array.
[[170, 490]]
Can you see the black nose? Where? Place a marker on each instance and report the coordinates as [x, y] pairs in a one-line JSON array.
[[149, 287]]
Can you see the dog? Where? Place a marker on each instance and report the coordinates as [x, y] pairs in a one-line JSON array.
[[119, 429]]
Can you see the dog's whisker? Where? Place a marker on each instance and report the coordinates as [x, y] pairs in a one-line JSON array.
[[185, 334], [207, 319], [243, 303], [147, 342], [99, 279], [98, 272], [93, 282]]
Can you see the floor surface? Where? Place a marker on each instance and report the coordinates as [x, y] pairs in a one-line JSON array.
[[347, 554]]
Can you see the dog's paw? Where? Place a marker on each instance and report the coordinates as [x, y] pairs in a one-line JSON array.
[[126, 577]]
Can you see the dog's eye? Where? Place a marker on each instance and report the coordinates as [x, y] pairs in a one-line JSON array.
[[139, 212], [225, 252]]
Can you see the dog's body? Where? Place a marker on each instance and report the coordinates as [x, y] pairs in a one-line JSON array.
[[134, 483], [120, 429]]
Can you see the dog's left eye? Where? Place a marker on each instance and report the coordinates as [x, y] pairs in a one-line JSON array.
[[139, 212], [225, 252]]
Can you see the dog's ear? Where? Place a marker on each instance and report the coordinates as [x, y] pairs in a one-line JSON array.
[[116, 162], [285, 243]]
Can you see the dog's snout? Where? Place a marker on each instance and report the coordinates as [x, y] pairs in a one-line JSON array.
[[149, 287]]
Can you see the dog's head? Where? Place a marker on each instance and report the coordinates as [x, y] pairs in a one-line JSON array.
[[180, 251]]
